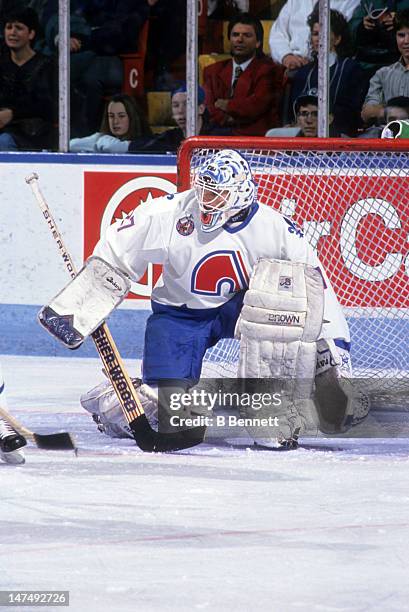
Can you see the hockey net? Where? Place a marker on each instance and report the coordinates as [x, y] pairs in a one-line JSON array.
[[350, 198]]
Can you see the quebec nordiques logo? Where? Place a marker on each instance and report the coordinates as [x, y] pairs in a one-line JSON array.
[[185, 225]]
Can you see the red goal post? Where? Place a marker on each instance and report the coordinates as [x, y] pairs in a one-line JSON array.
[[350, 196]]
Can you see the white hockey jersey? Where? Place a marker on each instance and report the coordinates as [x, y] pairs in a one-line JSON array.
[[205, 269]]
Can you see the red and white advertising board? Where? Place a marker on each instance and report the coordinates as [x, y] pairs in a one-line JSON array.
[[362, 243], [111, 195]]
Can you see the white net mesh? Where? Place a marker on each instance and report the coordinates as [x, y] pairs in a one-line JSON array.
[[352, 205]]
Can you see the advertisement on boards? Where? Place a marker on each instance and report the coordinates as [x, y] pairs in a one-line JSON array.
[[110, 196]]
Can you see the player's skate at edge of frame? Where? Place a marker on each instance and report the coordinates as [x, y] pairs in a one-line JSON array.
[[11, 442], [232, 265]]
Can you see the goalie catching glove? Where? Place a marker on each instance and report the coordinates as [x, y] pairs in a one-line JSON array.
[[103, 404], [339, 402]]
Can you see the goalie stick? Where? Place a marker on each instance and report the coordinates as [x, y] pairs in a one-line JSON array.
[[56, 441], [146, 438]]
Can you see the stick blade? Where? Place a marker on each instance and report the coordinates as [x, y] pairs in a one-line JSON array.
[[151, 441], [56, 441]]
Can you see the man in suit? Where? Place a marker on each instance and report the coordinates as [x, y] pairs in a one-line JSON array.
[[243, 93]]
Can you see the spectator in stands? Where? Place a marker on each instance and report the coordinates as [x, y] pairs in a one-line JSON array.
[[27, 108], [115, 24], [306, 113], [100, 31], [167, 40], [243, 93], [373, 33], [81, 58], [396, 109], [346, 75], [289, 35], [6, 6], [170, 140], [306, 119], [390, 81], [122, 122]]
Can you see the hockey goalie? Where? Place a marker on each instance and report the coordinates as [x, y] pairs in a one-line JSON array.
[[234, 268]]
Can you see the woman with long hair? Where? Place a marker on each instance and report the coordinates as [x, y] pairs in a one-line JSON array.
[[123, 121]]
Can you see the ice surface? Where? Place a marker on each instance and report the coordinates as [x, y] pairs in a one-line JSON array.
[[216, 528]]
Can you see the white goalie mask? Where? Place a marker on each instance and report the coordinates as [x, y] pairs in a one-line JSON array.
[[224, 186]]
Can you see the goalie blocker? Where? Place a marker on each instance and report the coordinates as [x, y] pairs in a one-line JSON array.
[[80, 308], [279, 328]]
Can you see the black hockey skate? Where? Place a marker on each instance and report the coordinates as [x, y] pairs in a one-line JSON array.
[[10, 443]]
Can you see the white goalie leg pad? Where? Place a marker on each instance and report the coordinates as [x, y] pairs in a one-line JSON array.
[[85, 302], [102, 402], [279, 325], [339, 402]]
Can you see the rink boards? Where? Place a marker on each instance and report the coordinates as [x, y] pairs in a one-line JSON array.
[[85, 193]]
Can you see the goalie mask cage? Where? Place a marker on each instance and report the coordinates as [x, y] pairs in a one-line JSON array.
[[351, 199]]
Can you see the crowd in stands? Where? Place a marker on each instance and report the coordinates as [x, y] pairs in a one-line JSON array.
[[171, 139], [243, 93], [345, 76], [252, 91]]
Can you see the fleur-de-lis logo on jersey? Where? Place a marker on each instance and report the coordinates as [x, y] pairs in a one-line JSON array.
[[293, 228]]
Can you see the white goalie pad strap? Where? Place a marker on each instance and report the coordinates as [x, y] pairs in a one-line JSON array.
[[85, 302], [278, 327], [103, 402], [339, 402], [330, 355]]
